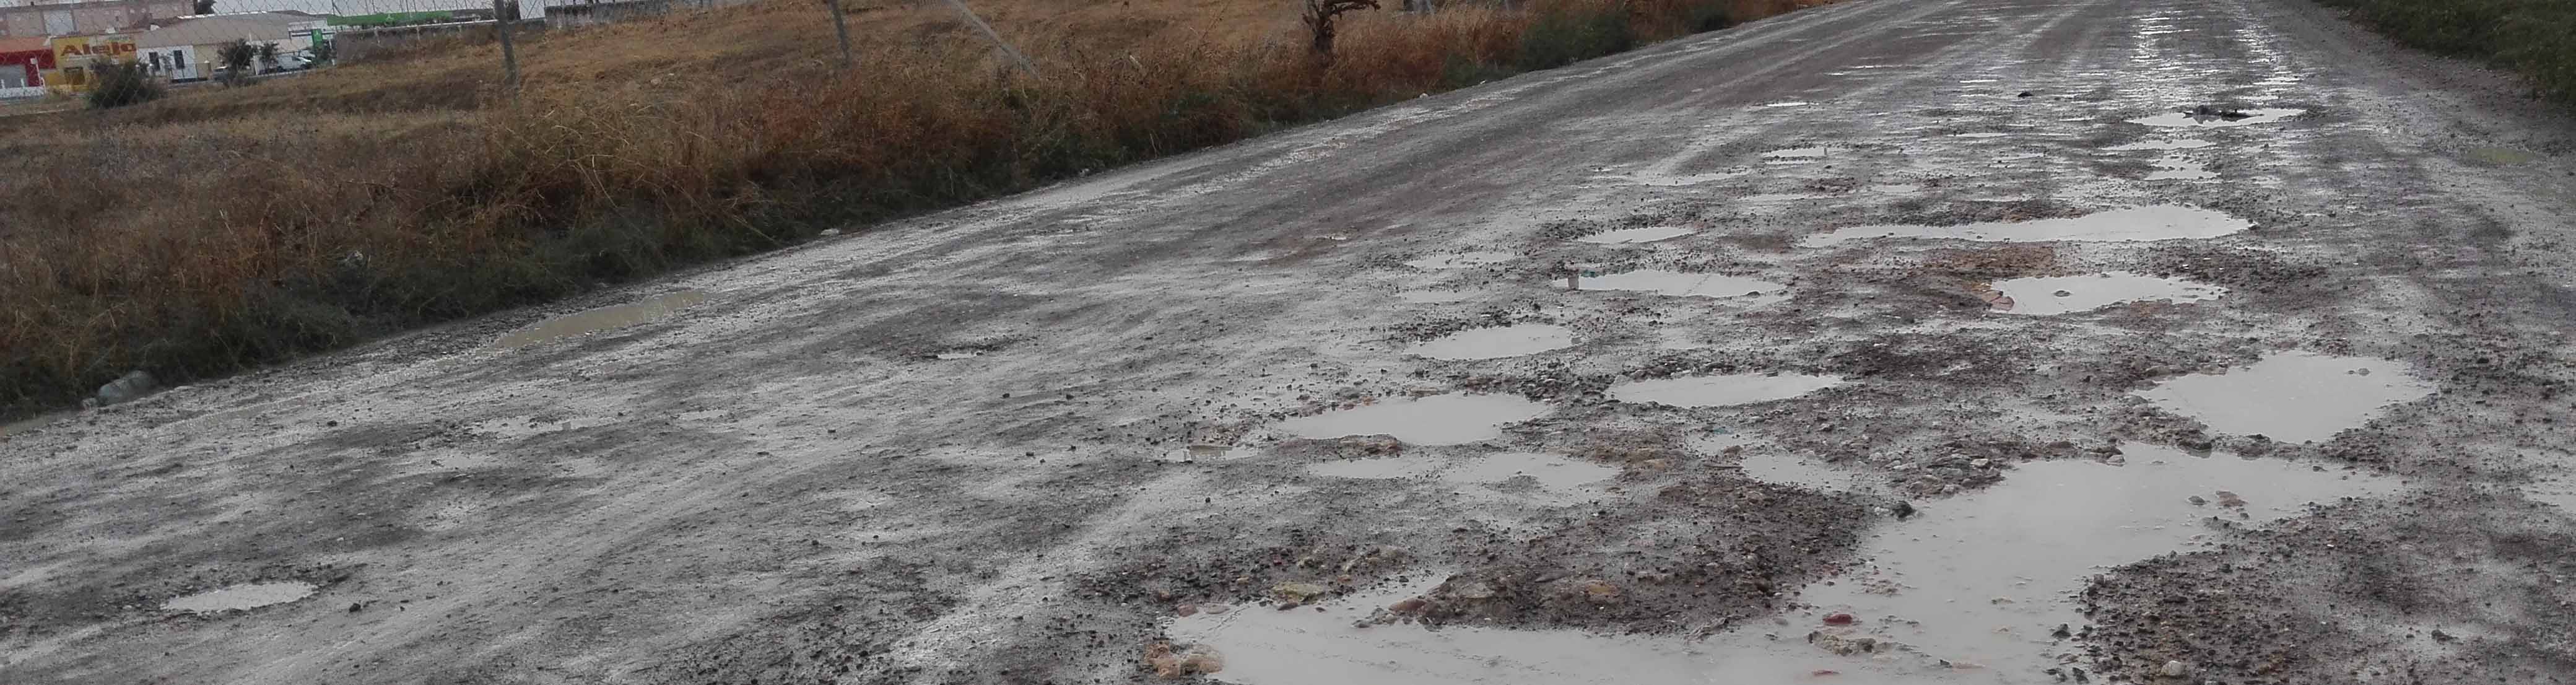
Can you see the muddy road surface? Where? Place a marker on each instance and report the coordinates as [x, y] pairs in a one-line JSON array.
[[1897, 341]]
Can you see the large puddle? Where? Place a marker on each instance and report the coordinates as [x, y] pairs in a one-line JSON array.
[[1965, 590], [1434, 420], [2291, 396], [1495, 343], [1629, 236], [2153, 222], [2192, 120], [1677, 284], [1462, 260], [2062, 294], [1722, 390], [239, 597], [602, 319]]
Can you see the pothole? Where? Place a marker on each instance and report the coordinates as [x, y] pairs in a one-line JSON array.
[[241, 597], [1628, 236], [1677, 284], [1462, 260], [2291, 396], [602, 319], [1495, 343], [2219, 119], [1434, 420], [1720, 390], [2062, 294], [1968, 589], [2134, 224], [2171, 144], [1548, 472]]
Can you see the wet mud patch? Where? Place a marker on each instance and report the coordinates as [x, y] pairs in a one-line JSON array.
[[602, 320], [846, 628], [2259, 271], [1495, 342], [2047, 295], [2452, 586], [1434, 420], [1994, 263]]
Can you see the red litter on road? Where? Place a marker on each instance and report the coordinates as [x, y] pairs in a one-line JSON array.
[[1838, 619]]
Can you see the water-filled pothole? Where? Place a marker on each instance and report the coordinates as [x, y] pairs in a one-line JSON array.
[[1434, 420], [1547, 472], [1676, 284], [1495, 343], [1971, 587], [2197, 120], [1647, 234], [602, 319], [2062, 294], [2291, 396], [240, 597], [1720, 390], [2134, 224], [2173, 144], [1462, 260]]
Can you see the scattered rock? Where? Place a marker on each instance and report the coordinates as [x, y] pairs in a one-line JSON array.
[[1167, 662], [1298, 593], [1845, 646], [2176, 669], [2026, 93], [127, 388], [2230, 500]]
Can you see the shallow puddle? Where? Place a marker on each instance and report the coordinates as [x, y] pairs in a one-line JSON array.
[[1434, 296], [1627, 236], [1550, 471], [1721, 390], [1970, 587], [2134, 224], [1495, 343], [239, 597], [602, 319], [2291, 396], [1983, 134], [2176, 144], [2062, 294], [1462, 260], [2187, 119], [954, 355], [1434, 420], [1786, 103], [1677, 284], [1796, 153]]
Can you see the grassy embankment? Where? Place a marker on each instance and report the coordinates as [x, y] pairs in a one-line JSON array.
[[219, 229], [2536, 38]]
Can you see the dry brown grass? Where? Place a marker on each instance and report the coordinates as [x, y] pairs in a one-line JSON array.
[[213, 230]]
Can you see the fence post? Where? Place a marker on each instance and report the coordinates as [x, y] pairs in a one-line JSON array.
[[841, 26], [509, 55]]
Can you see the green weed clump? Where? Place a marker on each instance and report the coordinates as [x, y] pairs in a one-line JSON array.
[[2534, 37]]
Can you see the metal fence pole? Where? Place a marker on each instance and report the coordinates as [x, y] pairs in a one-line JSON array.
[[509, 54], [988, 33]]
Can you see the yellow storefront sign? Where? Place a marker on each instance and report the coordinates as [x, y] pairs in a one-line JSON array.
[[75, 57]]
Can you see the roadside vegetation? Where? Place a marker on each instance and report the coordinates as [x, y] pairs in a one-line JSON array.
[[203, 233], [2534, 37]]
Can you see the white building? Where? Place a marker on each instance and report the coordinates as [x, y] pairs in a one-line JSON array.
[[186, 50]]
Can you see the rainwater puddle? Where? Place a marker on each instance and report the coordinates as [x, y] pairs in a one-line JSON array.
[[1985, 577], [1434, 420], [954, 355], [2175, 144], [2291, 396], [1552, 472], [239, 597], [2134, 224], [1988, 574], [1677, 284], [2187, 119], [1983, 134], [601, 319], [1627, 236], [1796, 153], [1786, 103], [1495, 343], [1721, 390], [1434, 296], [2062, 294], [1462, 260], [2179, 169], [2501, 156]]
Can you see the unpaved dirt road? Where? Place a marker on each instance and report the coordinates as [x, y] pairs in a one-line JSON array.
[[1808, 351]]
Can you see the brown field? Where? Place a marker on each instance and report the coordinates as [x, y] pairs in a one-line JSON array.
[[218, 229]]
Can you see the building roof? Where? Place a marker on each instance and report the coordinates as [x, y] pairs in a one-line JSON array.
[[219, 28], [29, 44]]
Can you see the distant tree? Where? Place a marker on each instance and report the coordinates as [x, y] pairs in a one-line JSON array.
[[268, 56], [236, 57], [205, 6], [323, 52], [117, 84], [1320, 15]]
